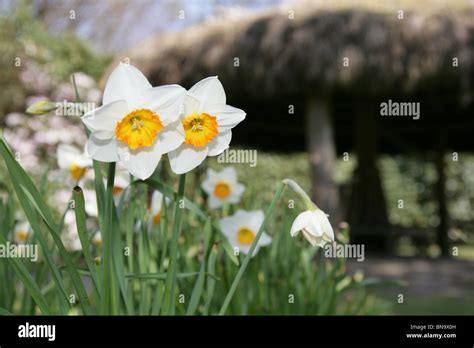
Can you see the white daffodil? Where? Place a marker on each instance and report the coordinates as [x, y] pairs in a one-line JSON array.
[[21, 232], [207, 122], [315, 226], [222, 187], [155, 209], [97, 239], [241, 230], [73, 161], [136, 124]]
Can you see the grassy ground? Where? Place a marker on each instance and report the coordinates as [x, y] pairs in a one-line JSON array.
[[433, 305]]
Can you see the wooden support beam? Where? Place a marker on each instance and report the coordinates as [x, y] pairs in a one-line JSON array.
[[322, 157], [442, 231], [367, 205]]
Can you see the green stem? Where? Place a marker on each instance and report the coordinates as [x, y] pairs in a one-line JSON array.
[[105, 303], [168, 303], [278, 192]]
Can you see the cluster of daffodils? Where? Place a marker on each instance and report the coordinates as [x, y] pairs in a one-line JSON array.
[[138, 123]]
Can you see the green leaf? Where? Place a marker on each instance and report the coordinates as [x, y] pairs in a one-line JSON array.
[[76, 279], [199, 285], [160, 276], [83, 236], [211, 282], [28, 282], [3, 311]]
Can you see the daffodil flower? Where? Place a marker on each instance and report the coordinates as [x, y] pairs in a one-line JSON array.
[[136, 124], [72, 160], [241, 229], [21, 232], [222, 187], [155, 209], [207, 122], [315, 226], [313, 223]]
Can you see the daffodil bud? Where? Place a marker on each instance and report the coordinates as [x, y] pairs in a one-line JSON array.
[[41, 107]]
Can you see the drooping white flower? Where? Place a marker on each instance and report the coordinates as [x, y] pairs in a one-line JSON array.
[[207, 122], [241, 230], [73, 161], [222, 187], [156, 205], [97, 239], [21, 232], [136, 124], [315, 226]]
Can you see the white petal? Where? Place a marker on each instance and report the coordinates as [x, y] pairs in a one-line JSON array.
[[191, 104], [265, 239], [314, 225], [233, 199], [211, 174], [186, 158], [156, 200], [208, 186], [106, 117], [227, 116], [102, 150], [238, 190], [103, 135], [214, 202], [229, 226], [220, 143], [141, 162], [325, 224], [171, 137], [167, 101], [125, 83], [301, 221], [66, 155], [229, 174], [209, 91], [255, 219], [314, 240]]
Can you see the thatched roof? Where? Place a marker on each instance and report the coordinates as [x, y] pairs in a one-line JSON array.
[[278, 55], [283, 60]]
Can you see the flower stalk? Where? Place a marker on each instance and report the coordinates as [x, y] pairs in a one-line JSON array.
[[278, 192], [170, 284], [107, 278]]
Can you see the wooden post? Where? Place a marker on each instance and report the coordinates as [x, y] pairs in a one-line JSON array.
[[322, 157], [442, 232], [367, 209]]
